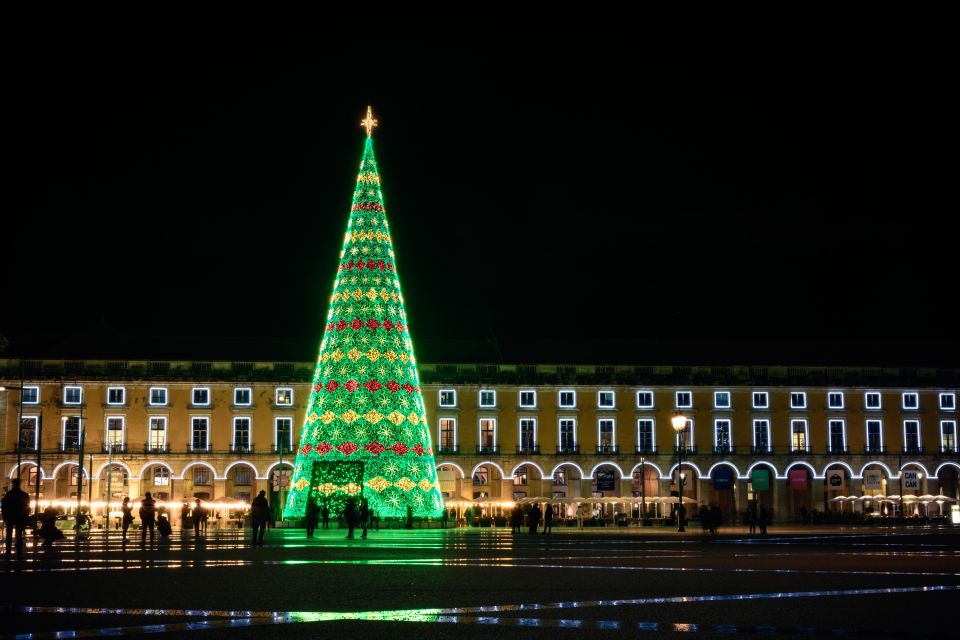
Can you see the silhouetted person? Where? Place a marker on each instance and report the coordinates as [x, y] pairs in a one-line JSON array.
[[260, 513], [752, 516], [443, 519], [533, 518], [325, 515], [364, 517], [350, 515], [163, 526], [148, 518], [763, 519], [516, 519], [198, 515], [313, 513], [184, 518], [48, 527], [803, 514], [548, 519], [409, 517], [126, 519]]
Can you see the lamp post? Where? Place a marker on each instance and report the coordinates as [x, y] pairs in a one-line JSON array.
[[679, 423]]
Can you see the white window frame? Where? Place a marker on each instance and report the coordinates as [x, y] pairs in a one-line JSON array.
[[677, 396], [276, 396], [33, 388], [36, 428], [150, 430], [164, 475], [236, 400], [520, 399], [716, 400], [757, 422], [843, 425], [919, 433], [480, 399], [480, 433], [63, 431], [953, 425], [446, 405], [193, 397], [866, 432], [233, 433], [560, 431], [123, 396], [613, 399], [866, 400], [645, 406], [520, 431], [763, 397], [106, 430], [276, 424], [830, 404], [440, 421], [806, 433], [67, 389], [613, 432], [166, 397], [952, 401], [910, 394], [561, 405], [716, 424], [803, 400], [687, 435], [653, 432], [206, 420]]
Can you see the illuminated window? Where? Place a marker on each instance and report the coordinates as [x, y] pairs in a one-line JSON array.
[[161, 477], [721, 436], [721, 399], [874, 436], [606, 436], [201, 396], [838, 436], [157, 437], [481, 476], [283, 433], [241, 434], [488, 434], [448, 398], [761, 436], [29, 427], [448, 434], [645, 435], [520, 477], [200, 429], [71, 433], [528, 434], [116, 395], [242, 475], [911, 436], [568, 435], [798, 435], [201, 476], [284, 397], [115, 432], [948, 436], [684, 400]]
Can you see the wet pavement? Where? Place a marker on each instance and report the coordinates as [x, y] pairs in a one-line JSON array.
[[872, 583]]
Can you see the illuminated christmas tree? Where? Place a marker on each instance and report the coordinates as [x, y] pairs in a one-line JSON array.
[[366, 432]]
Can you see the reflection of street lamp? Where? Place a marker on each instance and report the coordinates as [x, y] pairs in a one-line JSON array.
[[679, 423]]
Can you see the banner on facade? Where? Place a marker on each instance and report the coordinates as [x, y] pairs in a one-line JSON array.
[[723, 478], [276, 479], [872, 480], [606, 480], [911, 480], [760, 479], [835, 479], [799, 479]]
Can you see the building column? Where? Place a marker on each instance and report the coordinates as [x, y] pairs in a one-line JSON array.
[[219, 488], [546, 488], [133, 486], [740, 499], [626, 487], [586, 488], [816, 495], [781, 501], [506, 489]]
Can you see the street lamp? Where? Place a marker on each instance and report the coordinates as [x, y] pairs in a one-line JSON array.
[[679, 423]]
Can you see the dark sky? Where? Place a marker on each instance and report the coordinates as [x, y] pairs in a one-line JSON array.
[[733, 188]]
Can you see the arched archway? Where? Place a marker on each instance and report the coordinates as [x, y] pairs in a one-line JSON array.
[[800, 498], [722, 490], [157, 478], [451, 478], [528, 481], [197, 480], [65, 479], [241, 481], [762, 490], [567, 482], [487, 480], [836, 482]]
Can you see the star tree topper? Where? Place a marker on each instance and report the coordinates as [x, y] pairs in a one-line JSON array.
[[369, 122]]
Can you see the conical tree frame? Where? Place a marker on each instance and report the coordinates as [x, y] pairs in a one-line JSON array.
[[365, 411]]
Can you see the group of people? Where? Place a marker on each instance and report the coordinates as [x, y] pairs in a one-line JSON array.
[[710, 518], [757, 518], [533, 517]]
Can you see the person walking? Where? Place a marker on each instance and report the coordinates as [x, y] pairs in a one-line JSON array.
[[350, 515], [148, 518], [198, 516], [533, 518], [580, 515], [364, 516], [260, 513], [312, 515], [548, 519], [764, 518], [325, 515], [126, 518], [516, 519], [184, 518], [752, 516]]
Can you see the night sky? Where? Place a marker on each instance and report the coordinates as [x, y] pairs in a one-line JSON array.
[[700, 193]]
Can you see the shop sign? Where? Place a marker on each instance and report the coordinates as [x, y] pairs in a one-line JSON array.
[[760, 479], [872, 480], [835, 479], [723, 478], [798, 479], [911, 480]]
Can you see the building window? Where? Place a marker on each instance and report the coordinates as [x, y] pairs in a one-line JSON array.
[[686, 437], [161, 477], [567, 399], [606, 436], [948, 402], [488, 398], [560, 478], [568, 435], [200, 430], [29, 427], [911, 436], [72, 395], [284, 397], [798, 435], [241, 434], [874, 436], [448, 434], [645, 437], [115, 432], [448, 398], [798, 400], [948, 436], [684, 400], [761, 436], [835, 400], [520, 477], [528, 399], [481, 476], [488, 434], [158, 396], [838, 436], [606, 400], [116, 395], [644, 399], [721, 399], [201, 396], [201, 476], [71, 433], [157, 438], [872, 400], [283, 433], [761, 400], [528, 435], [721, 436], [911, 401], [30, 395], [242, 475], [241, 396]]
